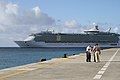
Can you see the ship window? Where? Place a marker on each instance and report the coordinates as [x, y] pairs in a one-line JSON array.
[[113, 44]]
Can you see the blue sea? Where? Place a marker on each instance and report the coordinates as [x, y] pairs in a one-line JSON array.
[[11, 57]]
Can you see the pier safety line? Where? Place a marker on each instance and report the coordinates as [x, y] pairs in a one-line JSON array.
[[41, 66], [104, 68], [21, 72]]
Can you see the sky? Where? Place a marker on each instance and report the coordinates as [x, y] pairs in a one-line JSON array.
[[20, 18]]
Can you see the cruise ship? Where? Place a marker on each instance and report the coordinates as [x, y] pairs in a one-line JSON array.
[[46, 39]]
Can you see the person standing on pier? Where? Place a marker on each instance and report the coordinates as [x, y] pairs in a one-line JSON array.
[[97, 52], [88, 53]]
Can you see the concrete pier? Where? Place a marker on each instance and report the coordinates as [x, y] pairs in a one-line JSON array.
[[71, 68]]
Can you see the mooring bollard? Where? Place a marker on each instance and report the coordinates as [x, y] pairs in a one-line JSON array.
[[65, 56], [43, 59]]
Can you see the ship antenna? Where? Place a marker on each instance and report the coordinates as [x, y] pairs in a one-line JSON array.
[[109, 29]]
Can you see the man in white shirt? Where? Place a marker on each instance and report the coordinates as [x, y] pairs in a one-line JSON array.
[[88, 53]]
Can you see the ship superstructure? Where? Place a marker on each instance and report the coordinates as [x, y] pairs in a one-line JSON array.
[[90, 37]]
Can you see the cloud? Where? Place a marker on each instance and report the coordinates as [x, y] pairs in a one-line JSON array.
[[36, 10], [15, 23], [11, 9], [2, 28], [71, 24], [33, 29], [116, 30], [10, 14]]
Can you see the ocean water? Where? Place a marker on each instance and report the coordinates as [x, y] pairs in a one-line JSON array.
[[11, 57]]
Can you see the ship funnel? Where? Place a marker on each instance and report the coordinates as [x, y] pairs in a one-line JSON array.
[[96, 27]]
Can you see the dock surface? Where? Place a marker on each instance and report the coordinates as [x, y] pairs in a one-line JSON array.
[[71, 68]]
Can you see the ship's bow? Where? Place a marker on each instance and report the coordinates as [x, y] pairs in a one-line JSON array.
[[21, 43]]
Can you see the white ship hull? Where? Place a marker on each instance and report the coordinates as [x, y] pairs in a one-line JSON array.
[[62, 45]]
